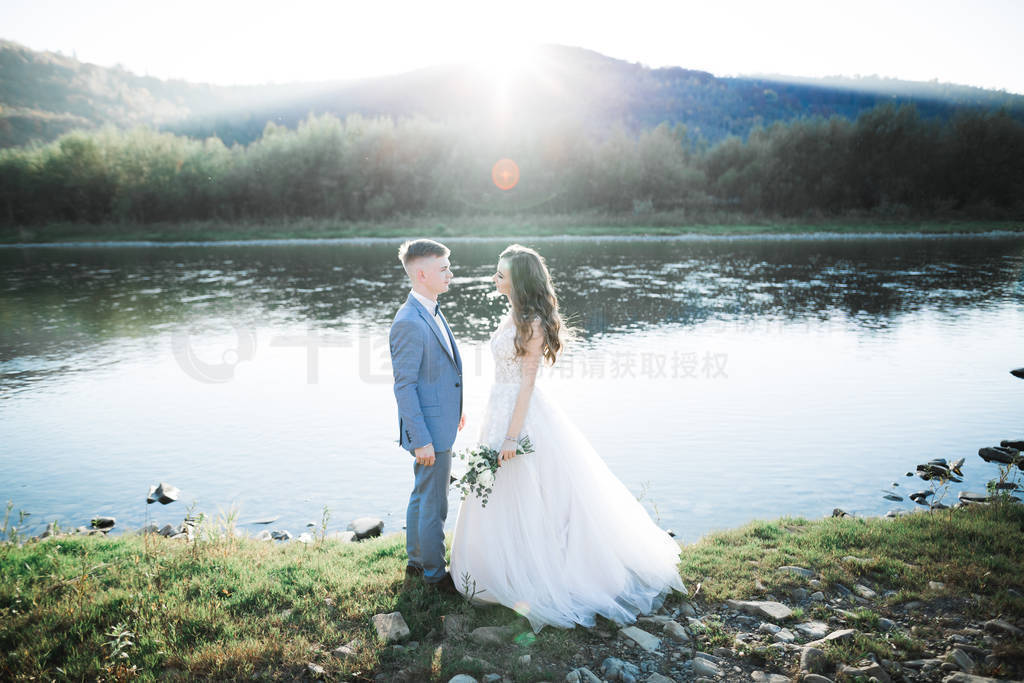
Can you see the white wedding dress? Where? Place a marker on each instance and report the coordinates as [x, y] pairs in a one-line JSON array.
[[561, 538]]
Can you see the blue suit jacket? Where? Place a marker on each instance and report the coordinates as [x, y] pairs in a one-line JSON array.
[[428, 381]]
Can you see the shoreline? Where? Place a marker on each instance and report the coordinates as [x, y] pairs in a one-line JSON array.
[[211, 233], [926, 596], [682, 237]]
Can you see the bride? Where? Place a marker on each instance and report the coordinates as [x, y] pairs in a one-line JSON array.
[[561, 539]]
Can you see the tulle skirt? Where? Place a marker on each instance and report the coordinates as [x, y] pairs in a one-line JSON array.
[[561, 539]]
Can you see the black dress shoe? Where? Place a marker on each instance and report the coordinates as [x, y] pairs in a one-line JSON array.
[[445, 586], [412, 572]]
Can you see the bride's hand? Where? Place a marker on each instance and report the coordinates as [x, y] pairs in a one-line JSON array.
[[508, 451]]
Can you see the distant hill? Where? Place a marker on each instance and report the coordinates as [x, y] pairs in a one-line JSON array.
[[43, 95]]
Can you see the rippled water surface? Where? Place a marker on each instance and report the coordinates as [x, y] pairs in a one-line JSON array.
[[722, 380]]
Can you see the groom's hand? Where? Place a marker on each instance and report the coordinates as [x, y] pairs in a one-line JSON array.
[[462, 422], [425, 455]]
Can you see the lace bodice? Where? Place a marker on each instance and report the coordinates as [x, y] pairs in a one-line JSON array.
[[508, 368]]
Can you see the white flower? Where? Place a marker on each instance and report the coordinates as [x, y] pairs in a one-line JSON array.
[[486, 478]]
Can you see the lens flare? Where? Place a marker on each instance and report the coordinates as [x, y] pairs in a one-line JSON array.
[[522, 608], [505, 174]]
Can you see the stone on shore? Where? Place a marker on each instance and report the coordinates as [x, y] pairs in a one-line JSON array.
[[961, 677], [813, 659], [766, 609], [866, 672], [764, 677], [677, 631], [813, 629], [1004, 628], [162, 493], [366, 527], [581, 675], [462, 678], [799, 571], [342, 536], [641, 637], [347, 650], [281, 535], [391, 628], [103, 522], [490, 635], [615, 669], [702, 667]]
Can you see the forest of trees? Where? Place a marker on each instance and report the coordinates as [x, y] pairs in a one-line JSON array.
[[889, 161]]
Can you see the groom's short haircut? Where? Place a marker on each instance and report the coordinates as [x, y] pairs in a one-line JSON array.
[[416, 249]]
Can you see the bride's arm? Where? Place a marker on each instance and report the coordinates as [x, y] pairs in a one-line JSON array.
[[531, 363]]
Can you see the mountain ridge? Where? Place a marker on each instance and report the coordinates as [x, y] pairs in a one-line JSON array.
[[45, 94]]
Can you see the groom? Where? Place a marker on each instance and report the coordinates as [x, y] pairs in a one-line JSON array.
[[428, 388]]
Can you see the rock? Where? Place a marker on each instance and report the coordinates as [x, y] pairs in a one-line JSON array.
[[817, 596], [839, 512], [1012, 443], [867, 671], [800, 594], [490, 635], [784, 636], [495, 678], [676, 631], [150, 529], [1003, 628], [342, 536], [168, 530], [462, 678], [641, 638], [971, 497], [886, 624], [936, 585], [164, 493], [840, 588], [315, 670], [838, 636], [582, 675], [769, 628], [524, 660], [391, 628], [763, 677], [702, 667], [366, 527], [799, 571], [281, 535], [892, 496], [815, 678], [813, 629], [305, 537], [104, 522], [962, 660], [658, 678], [961, 677], [264, 535], [686, 609], [1000, 454], [454, 624], [615, 669], [813, 659], [766, 609], [346, 650], [864, 592]]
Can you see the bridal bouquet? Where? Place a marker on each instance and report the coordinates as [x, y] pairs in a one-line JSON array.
[[483, 464]]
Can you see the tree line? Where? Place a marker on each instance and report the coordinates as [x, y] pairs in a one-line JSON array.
[[889, 161]]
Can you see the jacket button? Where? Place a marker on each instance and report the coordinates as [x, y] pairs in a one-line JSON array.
[[457, 385]]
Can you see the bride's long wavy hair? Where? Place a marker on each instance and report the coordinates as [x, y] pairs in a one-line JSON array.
[[533, 296]]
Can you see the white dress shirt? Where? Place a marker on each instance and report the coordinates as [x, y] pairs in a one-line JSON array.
[[431, 306]]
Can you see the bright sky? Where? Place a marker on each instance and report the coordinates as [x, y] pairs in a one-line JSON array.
[[256, 41]]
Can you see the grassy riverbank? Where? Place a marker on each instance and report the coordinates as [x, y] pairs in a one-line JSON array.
[[673, 223], [85, 607]]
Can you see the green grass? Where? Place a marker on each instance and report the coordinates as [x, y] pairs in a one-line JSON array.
[[241, 608], [580, 224]]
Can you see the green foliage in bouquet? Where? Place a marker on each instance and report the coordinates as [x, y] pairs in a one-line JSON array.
[[483, 465]]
